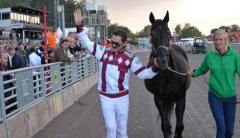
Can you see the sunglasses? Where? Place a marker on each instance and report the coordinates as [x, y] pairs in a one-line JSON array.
[[115, 43]]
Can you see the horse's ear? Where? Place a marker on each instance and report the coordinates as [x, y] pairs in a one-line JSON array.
[[166, 18], [151, 18]]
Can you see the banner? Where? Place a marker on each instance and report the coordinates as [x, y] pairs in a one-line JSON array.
[[51, 38]]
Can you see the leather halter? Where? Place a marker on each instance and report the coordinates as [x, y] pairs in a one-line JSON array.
[[170, 52]]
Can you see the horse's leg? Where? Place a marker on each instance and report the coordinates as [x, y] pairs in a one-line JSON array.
[[179, 111], [164, 112]]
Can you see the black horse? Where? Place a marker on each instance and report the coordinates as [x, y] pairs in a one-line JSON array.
[[169, 86]]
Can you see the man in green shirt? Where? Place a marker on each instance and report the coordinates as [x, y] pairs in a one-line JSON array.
[[223, 64]]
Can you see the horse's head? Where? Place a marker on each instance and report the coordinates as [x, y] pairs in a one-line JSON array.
[[160, 39]]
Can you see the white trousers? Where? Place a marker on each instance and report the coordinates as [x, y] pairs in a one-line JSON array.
[[115, 113]]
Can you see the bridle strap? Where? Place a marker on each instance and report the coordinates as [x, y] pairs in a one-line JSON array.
[[170, 53]]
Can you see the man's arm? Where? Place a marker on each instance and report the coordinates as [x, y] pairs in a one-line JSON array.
[[141, 71], [95, 49]]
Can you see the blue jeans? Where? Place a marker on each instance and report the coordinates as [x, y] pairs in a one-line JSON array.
[[224, 114]]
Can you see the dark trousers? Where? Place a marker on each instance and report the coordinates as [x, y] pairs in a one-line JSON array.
[[224, 114]]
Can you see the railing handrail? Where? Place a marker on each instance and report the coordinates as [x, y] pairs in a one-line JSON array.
[[28, 68], [22, 87]]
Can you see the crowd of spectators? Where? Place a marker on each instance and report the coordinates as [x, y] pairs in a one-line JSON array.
[[15, 55], [27, 54]]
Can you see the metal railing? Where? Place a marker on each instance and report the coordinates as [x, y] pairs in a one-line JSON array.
[[22, 87], [188, 47]]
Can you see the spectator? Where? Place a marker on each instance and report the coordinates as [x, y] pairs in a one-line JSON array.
[[2, 47], [77, 52], [40, 52], [22, 53], [51, 55], [4, 66], [61, 53], [34, 58], [75, 47], [15, 60]]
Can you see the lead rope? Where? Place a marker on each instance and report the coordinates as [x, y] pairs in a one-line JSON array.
[[179, 73], [170, 69]]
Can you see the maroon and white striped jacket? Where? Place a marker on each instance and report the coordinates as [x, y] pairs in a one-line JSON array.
[[114, 67]]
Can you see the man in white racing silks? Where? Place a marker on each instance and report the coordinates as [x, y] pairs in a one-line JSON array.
[[115, 64]]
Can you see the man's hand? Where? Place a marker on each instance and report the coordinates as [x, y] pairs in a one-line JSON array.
[[78, 16]]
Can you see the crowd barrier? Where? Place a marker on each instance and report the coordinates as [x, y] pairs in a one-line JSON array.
[[188, 48], [22, 87]]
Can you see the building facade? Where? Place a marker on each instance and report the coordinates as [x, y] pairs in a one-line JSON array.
[[21, 23], [96, 20]]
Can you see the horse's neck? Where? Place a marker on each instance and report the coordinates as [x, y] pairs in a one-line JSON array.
[[172, 61]]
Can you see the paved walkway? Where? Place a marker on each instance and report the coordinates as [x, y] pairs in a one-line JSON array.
[[84, 119]]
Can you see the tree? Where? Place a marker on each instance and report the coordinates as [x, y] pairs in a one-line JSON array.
[[145, 32], [114, 27], [11, 3], [69, 7], [235, 28], [178, 30], [213, 30], [190, 31], [187, 25], [226, 28], [51, 10]]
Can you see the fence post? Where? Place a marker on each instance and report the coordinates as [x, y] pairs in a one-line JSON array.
[[74, 71], [43, 76], [2, 101], [85, 67]]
